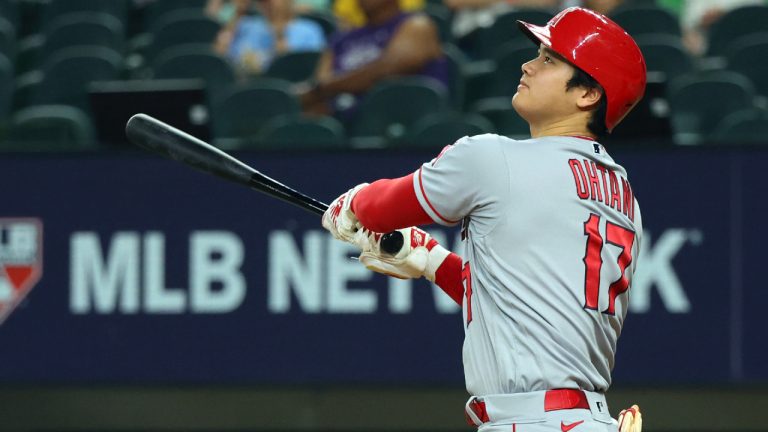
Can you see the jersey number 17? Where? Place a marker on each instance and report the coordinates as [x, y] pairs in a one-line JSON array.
[[593, 261]]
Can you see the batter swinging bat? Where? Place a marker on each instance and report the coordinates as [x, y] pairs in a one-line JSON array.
[[154, 135]]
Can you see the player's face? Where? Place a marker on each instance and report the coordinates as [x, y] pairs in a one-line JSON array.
[[541, 95]]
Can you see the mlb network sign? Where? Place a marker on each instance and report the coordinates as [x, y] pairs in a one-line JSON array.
[[310, 273], [21, 260]]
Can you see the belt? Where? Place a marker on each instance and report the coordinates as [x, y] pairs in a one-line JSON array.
[[554, 400]]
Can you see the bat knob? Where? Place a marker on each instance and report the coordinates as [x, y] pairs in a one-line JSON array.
[[392, 242]]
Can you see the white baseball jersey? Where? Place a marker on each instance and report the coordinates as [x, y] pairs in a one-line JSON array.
[[551, 233]]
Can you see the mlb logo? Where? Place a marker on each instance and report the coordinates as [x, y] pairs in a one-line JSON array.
[[21, 260]]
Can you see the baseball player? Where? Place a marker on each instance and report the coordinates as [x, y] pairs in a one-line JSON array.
[[551, 232]]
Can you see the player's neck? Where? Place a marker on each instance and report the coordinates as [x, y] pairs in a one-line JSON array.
[[566, 127]]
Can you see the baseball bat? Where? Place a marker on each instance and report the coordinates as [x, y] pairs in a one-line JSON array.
[[153, 135]]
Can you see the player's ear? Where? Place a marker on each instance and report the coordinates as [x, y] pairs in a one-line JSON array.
[[588, 97]]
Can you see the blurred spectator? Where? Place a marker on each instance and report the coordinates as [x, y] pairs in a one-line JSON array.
[[304, 6], [391, 43], [697, 16], [252, 42], [226, 12], [350, 15]]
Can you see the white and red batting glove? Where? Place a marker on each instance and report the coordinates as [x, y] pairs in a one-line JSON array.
[[630, 420], [339, 218], [420, 255]]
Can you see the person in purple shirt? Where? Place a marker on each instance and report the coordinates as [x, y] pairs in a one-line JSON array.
[[391, 43]]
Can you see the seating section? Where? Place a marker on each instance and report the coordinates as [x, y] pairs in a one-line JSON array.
[[239, 115], [699, 101], [53, 51], [392, 107], [50, 128]]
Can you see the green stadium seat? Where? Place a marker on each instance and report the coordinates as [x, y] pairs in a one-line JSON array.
[[181, 27], [9, 9], [505, 29], [26, 86], [749, 126], [196, 61], [295, 132], [50, 128], [6, 87], [665, 54], [441, 16], [294, 66], [504, 118], [160, 8], [240, 114], [735, 24], [67, 73], [699, 101], [57, 8], [7, 38], [457, 62], [390, 108], [749, 56], [509, 61], [644, 19], [29, 53], [441, 129], [83, 28]]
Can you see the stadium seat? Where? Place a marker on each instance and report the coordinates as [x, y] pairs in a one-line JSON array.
[[7, 38], [25, 89], [239, 115], [509, 61], [504, 118], [6, 87], [441, 129], [748, 126], [84, 28], [29, 53], [9, 9], [196, 61], [749, 56], [295, 132], [294, 66], [390, 108], [50, 128], [665, 54], [699, 101], [68, 72], [735, 24], [55, 9], [158, 9], [181, 28], [644, 19], [441, 16], [456, 81], [505, 29]]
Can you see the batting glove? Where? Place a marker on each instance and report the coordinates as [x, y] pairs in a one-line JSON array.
[[630, 420], [339, 218], [420, 255]]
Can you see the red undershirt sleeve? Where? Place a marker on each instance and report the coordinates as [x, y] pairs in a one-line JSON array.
[[448, 277], [389, 204]]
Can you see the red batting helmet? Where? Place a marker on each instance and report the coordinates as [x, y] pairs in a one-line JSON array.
[[602, 49]]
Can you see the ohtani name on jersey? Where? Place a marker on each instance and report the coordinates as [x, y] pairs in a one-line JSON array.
[[598, 183]]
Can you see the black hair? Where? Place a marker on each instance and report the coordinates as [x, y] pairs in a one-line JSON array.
[[596, 123]]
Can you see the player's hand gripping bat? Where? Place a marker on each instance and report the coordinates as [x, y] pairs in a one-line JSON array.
[[154, 135]]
